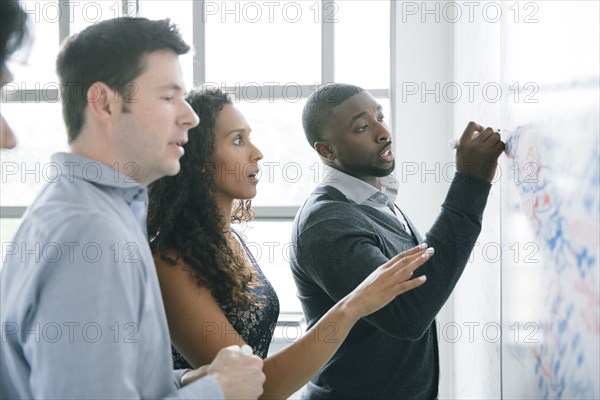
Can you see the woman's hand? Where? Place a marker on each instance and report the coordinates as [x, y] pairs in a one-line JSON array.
[[388, 281]]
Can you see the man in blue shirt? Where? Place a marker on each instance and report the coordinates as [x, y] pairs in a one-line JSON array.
[[82, 315]]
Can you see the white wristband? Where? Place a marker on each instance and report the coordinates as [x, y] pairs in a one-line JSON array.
[[246, 350], [182, 375]]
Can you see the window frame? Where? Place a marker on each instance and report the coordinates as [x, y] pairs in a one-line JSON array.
[[263, 213]]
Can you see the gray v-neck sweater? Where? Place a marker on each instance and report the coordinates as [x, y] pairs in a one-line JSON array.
[[337, 243]]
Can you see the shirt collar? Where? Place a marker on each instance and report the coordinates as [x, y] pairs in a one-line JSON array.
[[360, 191], [74, 166]]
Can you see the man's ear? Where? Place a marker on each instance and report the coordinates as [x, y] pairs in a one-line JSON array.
[[102, 101], [325, 150]]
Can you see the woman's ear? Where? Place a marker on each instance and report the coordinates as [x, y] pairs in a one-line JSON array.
[[208, 168]]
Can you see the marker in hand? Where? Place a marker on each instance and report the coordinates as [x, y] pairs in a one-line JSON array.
[[453, 143]]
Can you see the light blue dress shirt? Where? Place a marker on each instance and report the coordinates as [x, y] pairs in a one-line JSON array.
[[81, 309]]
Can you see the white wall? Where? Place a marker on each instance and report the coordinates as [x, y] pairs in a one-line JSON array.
[[503, 46], [477, 313], [422, 55]]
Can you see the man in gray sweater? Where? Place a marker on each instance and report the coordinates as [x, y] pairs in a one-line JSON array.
[[349, 225]]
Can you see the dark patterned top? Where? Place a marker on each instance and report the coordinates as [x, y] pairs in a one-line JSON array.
[[254, 324]]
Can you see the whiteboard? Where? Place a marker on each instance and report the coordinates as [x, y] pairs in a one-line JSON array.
[[537, 304]]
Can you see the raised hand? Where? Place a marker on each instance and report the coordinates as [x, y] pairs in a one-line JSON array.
[[389, 280], [478, 151]]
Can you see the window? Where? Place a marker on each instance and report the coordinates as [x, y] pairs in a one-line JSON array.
[[270, 55], [362, 45], [263, 43]]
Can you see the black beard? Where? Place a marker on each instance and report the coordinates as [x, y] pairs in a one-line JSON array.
[[367, 170]]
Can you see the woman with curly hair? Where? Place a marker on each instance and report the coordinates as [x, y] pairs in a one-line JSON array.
[[214, 292]]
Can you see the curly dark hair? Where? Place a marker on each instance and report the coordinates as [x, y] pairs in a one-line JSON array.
[[14, 28], [184, 221]]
